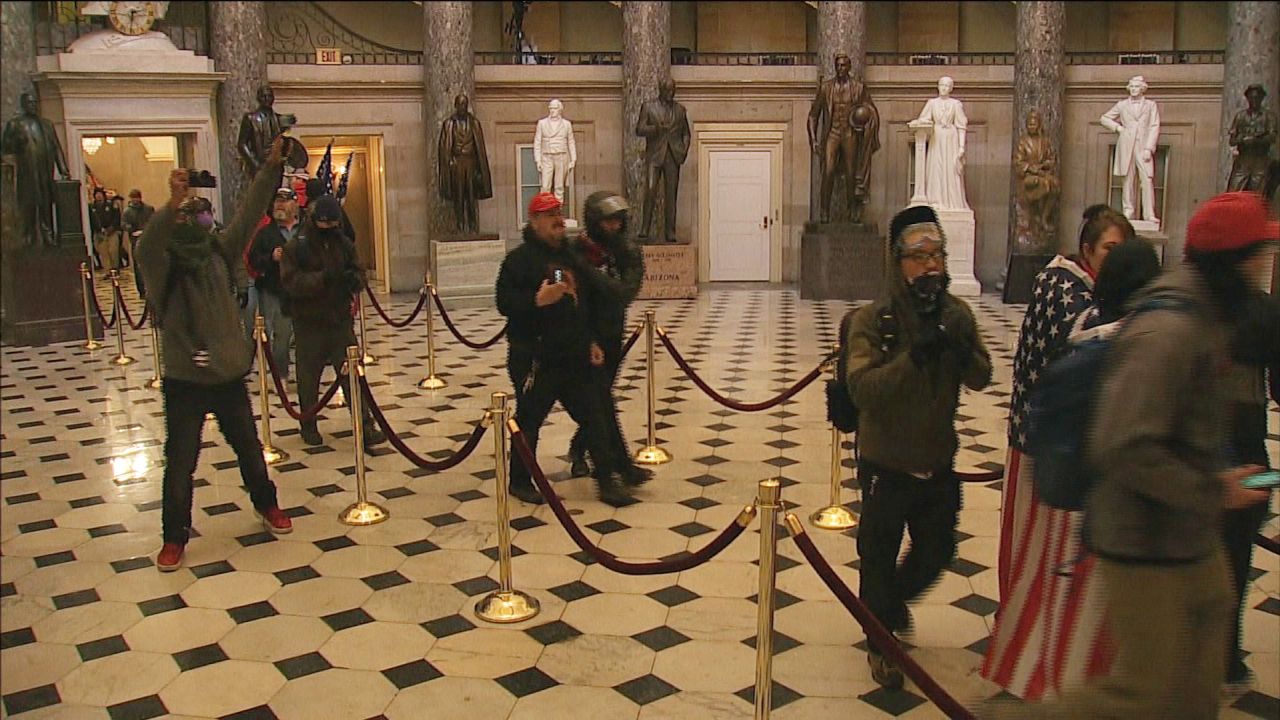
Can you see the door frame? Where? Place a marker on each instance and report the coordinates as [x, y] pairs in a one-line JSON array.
[[721, 136]]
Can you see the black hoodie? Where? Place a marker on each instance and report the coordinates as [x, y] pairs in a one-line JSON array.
[[562, 332]]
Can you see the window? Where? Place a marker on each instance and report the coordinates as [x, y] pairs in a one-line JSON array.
[[1115, 184], [531, 183]]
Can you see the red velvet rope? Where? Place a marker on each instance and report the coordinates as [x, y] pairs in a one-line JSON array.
[[734, 404], [631, 341], [876, 632], [304, 415], [605, 558], [422, 301], [97, 308], [468, 447], [1266, 543], [982, 477], [128, 317], [444, 315]]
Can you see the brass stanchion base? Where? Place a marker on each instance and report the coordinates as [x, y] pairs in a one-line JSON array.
[[653, 455], [369, 359], [273, 455], [431, 382], [507, 607], [92, 344], [154, 383], [122, 360], [339, 400], [363, 513], [834, 517]]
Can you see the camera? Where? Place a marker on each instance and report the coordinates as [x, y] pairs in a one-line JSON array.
[[201, 179]]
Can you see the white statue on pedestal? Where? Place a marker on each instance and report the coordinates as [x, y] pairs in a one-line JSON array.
[[944, 164], [554, 151], [1137, 119]]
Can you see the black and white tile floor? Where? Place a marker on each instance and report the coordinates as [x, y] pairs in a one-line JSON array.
[[340, 622]]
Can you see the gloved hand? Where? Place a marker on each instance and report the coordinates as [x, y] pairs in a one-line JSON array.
[[352, 281], [930, 343]]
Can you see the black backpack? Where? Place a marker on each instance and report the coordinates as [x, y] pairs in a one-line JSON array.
[[841, 411]]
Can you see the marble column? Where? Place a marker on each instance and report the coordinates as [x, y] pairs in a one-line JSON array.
[[18, 50], [446, 28], [646, 61], [842, 29], [238, 45], [1253, 57], [1038, 84]]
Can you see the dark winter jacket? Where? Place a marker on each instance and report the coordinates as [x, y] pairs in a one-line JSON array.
[[320, 275], [619, 274], [270, 237], [560, 333]]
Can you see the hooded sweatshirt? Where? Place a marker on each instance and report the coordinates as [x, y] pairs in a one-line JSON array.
[[562, 332], [907, 413], [198, 311]]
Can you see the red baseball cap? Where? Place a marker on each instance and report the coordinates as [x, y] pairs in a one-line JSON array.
[[543, 202], [1231, 221]]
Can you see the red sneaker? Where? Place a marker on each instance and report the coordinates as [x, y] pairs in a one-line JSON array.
[[170, 557], [277, 522]]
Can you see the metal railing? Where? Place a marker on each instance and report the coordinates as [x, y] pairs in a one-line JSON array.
[[1148, 57], [296, 29], [58, 24]]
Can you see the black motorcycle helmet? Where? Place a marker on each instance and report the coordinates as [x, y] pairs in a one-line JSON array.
[[605, 204]]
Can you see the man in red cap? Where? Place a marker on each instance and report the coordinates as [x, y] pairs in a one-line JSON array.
[[551, 303], [1161, 441]]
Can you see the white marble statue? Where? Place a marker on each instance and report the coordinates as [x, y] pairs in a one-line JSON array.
[[554, 151], [1137, 119], [944, 164]]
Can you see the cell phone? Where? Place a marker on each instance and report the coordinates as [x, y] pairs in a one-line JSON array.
[[1262, 480], [558, 274]]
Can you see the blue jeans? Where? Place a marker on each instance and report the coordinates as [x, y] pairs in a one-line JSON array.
[[279, 328]]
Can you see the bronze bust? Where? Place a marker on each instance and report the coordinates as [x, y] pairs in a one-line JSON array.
[[844, 131], [34, 144], [463, 165], [664, 124], [1253, 132]]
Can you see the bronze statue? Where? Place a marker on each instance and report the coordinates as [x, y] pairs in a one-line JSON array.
[[258, 129], [463, 165], [1253, 132], [665, 126], [34, 144], [1035, 165], [844, 131]]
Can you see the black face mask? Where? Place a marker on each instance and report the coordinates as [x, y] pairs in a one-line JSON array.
[[928, 288]]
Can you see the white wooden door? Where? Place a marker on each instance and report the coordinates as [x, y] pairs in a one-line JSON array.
[[740, 212]]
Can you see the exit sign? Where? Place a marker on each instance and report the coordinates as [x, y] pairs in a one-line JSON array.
[[328, 56]]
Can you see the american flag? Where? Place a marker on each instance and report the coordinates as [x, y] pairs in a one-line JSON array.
[[1062, 291]]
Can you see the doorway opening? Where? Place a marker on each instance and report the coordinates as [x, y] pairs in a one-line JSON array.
[[740, 182], [357, 162]]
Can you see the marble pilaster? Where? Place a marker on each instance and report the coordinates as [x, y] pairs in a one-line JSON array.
[[646, 61], [18, 51], [1038, 84], [446, 31], [238, 46], [842, 29], [1253, 56]]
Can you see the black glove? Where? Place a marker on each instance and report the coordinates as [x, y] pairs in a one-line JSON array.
[[930, 343], [352, 280]]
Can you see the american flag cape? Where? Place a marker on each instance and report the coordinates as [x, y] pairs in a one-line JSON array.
[[1049, 633]]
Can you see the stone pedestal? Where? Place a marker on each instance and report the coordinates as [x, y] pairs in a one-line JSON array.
[[670, 272], [961, 230], [842, 261], [45, 312], [1158, 239], [466, 268], [1021, 275]]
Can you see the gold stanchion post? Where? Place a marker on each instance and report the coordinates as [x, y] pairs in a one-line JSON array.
[[835, 516], [769, 502], [651, 454], [86, 283], [366, 357], [120, 359], [361, 512], [270, 452], [156, 380], [431, 381], [503, 605]]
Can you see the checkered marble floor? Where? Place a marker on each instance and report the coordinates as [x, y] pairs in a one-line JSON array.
[[340, 622]]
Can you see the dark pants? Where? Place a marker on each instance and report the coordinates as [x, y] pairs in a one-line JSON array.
[[1248, 447], [317, 346], [552, 382], [617, 440], [928, 510], [185, 405]]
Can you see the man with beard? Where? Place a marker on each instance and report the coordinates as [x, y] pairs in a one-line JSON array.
[[546, 292], [907, 356], [619, 273], [319, 272], [264, 257], [190, 272]]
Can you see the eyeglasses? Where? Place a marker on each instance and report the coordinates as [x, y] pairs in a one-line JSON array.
[[921, 258]]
